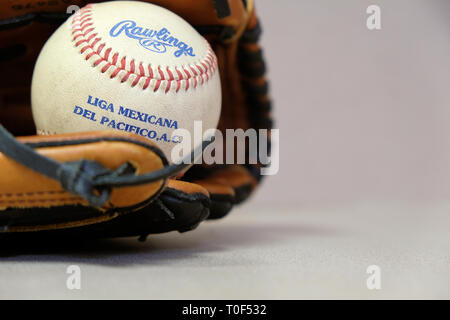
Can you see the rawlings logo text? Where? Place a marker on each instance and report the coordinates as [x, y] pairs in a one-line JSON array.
[[153, 40]]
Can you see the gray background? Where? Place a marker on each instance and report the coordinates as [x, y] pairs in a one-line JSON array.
[[364, 176], [363, 115]]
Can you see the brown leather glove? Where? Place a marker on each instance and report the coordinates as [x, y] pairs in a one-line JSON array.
[[83, 184]]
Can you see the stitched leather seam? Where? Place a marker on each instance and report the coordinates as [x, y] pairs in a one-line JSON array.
[[91, 46], [81, 141], [23, 195], [31, 201], [31, 194]]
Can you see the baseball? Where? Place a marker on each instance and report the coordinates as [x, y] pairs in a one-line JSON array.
[[128, 66]]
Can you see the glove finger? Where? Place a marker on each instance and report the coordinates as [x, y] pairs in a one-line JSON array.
[[30, 201], [222, 198], [182, 206], [227, 186]]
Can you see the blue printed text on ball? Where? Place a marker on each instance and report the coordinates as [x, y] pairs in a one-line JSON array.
[[153, 40]]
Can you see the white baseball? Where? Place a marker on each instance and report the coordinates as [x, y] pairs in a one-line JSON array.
[[128, 66]]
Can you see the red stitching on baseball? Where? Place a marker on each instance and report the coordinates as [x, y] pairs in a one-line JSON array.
[[115, 72], [100, 48], [132, 66], [91, 37], [106, 67], [96, 63], [115, 58], [108, 51], [79, 42], [204, 66], [96, 41], [170, 74], [83, 32], [125, 78], [150, 71], [89, 55], [180, 75], [158, 83], [84, 49], [161, 74], [147, 83], [84, 26], [193, 71], [141, 70], [136, 81]]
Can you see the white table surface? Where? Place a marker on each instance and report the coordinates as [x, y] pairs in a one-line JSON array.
[[254, 254]]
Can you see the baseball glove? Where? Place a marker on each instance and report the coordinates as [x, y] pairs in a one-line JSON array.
[[109, 183]]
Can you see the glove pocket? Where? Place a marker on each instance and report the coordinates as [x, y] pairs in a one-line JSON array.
[[31, 201]]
